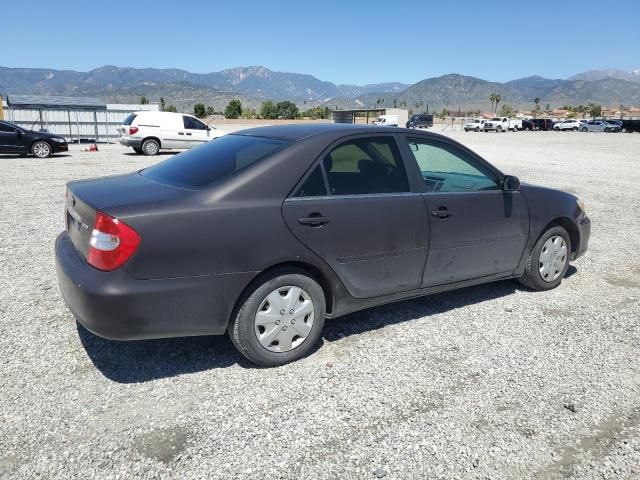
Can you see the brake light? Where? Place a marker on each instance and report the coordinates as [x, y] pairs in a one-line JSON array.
[[133, 130], [112, 243]]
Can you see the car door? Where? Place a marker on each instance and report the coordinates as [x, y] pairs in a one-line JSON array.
[[477, 229], [195, 131], [11, 139], [356, 211]]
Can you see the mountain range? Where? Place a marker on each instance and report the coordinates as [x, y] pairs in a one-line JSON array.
[[257, 83]]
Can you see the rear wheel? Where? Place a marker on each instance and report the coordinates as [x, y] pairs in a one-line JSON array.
[[280, 320], [150, 147], [548, 262], [41, 149]]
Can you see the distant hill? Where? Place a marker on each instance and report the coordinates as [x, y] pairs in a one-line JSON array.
[[257, 83], [593, 75]]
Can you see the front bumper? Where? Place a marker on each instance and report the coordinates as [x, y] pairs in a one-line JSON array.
[[585, 233], [117, 306], [130, 142], [59, 147]]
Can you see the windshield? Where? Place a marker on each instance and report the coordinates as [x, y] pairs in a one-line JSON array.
[[214, 161], [496, 119]]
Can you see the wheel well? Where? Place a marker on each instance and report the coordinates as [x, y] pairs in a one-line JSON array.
[[571, 228], [151, 138], [306, 268], [39, 140]]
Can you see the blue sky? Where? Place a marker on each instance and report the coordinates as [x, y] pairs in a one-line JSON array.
[[347, 41]]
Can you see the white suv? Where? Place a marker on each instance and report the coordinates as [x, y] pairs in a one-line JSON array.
[[148, 132], [568, 125]]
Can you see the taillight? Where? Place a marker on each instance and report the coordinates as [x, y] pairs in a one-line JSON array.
[[133, 130], [112, 243]]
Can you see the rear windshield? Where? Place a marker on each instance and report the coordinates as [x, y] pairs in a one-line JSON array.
[[129, 119], [217, 160]]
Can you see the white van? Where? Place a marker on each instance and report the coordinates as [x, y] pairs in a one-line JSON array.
[[387, 120], [149, 132]]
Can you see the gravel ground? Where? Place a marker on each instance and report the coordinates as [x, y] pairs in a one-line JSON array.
[[488, 382]]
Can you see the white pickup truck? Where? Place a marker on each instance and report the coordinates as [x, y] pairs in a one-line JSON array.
[[502, 124]]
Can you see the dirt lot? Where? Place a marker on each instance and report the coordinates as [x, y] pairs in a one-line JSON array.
[[488, 382]]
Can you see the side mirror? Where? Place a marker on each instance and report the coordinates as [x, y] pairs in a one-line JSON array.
[[19, 133], [510, 184]]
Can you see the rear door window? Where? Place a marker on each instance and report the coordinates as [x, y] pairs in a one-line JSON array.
[[129, 120], [366, 166], [214, 161]]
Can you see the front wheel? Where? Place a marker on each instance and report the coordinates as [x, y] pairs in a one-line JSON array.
[[280, 320], [548, 262], [41, 149]]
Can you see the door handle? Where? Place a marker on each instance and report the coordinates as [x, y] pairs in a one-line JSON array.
[[442, 212], [314, 220], [180, 133], [188, 133]]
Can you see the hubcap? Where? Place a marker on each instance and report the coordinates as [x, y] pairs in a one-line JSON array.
[[41, 150], [553, 258], [284, 319], [151, 148]]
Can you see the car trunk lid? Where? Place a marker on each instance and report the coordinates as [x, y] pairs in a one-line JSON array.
[[85, 197]]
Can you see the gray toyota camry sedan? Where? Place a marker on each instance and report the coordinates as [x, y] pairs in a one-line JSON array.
[[266, 232]]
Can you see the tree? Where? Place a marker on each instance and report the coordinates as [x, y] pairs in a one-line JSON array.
[[547, 108], [171, 108], [594, 110], [507, 110], [287, 110], [536, 112], [492, 99], [497, 100], [233, 110], [144, 100], [210, 111], [162, 104], [622, 108], [395, 103], [403, 103], [268, 110], [199, 110]]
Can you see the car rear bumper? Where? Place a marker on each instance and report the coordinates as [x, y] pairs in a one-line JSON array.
[[130, 142], [585, 233], [117, 306]]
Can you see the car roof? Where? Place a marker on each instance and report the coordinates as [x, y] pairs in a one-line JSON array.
[[295, 132]]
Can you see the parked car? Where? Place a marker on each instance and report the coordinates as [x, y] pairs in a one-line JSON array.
[[615, 122], [528, 125], [355, 216], [149, 132], [387, 120], [599, 126], [543, 123], [572, 124], [474, 125], [502, 124], [629, 126], [420, 120], [15, 139]]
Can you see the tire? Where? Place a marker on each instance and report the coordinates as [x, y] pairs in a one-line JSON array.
[[138, 151], [556, 129], [499, 129], [150, 147], [466, 129], [41, 149], [245, 327], [477, 129], [574, 129], [544, 272], [607, 130], [584, 129]]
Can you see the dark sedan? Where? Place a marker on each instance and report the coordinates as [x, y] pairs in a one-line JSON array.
[[266, 232], [15, 139]]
